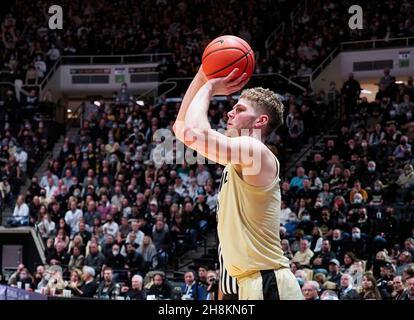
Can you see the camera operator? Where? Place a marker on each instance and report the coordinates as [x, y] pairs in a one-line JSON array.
[[212, 285]]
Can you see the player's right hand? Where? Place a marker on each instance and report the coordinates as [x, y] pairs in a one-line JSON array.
[[227, 85]]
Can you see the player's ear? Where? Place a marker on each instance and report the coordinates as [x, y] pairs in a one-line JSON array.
[[261, 121]]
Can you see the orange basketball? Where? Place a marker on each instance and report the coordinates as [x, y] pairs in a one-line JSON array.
[[225, 53]]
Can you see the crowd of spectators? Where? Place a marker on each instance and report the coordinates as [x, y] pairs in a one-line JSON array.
[[348, 216], [83, 282], [323, 25], [23, 145], [28, 47]]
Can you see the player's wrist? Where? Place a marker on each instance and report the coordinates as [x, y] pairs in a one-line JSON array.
[[201, 76]]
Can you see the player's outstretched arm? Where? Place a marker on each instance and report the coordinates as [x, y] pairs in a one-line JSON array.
[[198, 81], [248, 154]]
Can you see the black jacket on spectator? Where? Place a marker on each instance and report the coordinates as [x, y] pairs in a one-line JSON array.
[[115, 262], [326, 257], [86, 236], [134, 295], [337, 246], [163, 290], [306, 226], [357, 246], [162, 240], [135, 262], [89, 289], [62, 257], [351, 294], [95, 262], [367, 226], [106, 290]]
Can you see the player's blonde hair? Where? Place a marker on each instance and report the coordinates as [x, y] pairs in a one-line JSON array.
[[268, 103]]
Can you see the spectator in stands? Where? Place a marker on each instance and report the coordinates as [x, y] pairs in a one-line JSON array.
[[334, 275], [404, 260], [20, 214], [46, 227], [89, 287], [22, 278], [405, 182], [56, 285], [123, 95], [399, 291], [160, 288], [410, 288], [149, 253], [310, 290], [369, 288], [83, 233], [320, 260], [135, 292], [95, 259], [304, 255], [287, 252], [346, 291], [110, 227], [76, 259], [76, 283], [134, 260], [297, 182], [351, 90], [161, 239], [192, 289], [6, 196], [106, 288]]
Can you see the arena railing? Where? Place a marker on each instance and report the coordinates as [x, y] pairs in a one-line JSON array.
[[271, 39], [360, 45], [280, 29], [325, 128], [116, 59], [301, 7], [177, 86], [376, 43], [323, 65]]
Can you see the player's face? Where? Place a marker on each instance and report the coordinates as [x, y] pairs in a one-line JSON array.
[[242, 116]]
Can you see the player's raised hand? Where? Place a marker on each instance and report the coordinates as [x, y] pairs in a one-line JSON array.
[[228, 85]]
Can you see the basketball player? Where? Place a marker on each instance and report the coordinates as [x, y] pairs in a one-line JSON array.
[[249, 199]]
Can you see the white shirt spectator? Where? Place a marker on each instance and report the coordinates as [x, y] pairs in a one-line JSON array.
[[41, 68], [180, 189], [43, 182], [21, 158], [50, 191], [46, 228], [202, 177], [53, 53], [21, 212], [72, 218], [111, 228], [138, 240], [284, 215], [211, 200], [116, 200], [68, 182]]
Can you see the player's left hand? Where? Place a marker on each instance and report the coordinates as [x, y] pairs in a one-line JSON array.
[[228, 85]]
